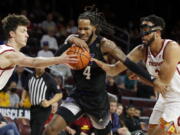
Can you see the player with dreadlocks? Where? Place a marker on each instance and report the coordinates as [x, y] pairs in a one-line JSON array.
[[90, 96]]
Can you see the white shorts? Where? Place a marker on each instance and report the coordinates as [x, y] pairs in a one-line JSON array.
[[167, 108], [75, 109]]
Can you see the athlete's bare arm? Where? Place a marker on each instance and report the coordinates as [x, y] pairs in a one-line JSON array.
[[135, 55], [109, 47], [18, 58], [171, 59], [168, 67]]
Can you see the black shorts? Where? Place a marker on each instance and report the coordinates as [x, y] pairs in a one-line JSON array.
[[70, 111]]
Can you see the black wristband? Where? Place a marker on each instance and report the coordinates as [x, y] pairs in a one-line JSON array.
[[138, 70]]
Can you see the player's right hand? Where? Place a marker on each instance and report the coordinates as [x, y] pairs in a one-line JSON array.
[[67, 59], [106, 67], [79, 42], [101, 64]]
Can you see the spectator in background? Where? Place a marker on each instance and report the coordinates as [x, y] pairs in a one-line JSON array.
[[145, 91], [7, 128], [20, 76], [117, 128], [4, 98], [49, 37], [45, 52], [111, 85], [120, 81], [26, 103], [130, 84], [121, 113], [71, 28], [130, 120], [119, 109], [48, 23], [14, 97]]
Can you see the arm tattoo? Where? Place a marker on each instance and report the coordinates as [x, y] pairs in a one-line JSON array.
[[113, 50]]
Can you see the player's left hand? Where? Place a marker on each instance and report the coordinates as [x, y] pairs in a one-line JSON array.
[[45, 103]]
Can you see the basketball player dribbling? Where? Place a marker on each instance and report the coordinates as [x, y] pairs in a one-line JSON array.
[[162, 60], [90, 94], [15, 28]]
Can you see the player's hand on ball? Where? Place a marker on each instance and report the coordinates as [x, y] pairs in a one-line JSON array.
[[79, 42], [68, 59], [83, 57]]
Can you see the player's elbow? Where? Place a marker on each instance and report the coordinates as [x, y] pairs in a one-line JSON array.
[[112, 74]]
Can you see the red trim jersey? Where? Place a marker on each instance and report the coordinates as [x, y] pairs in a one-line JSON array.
[[153, 63], [5, 73]]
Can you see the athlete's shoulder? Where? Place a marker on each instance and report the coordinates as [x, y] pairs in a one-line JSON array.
[[171, 44], [172, 48], [4, 48]]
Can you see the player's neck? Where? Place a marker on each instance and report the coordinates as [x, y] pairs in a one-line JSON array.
[[13, 44], [92, 39], [156, 45]]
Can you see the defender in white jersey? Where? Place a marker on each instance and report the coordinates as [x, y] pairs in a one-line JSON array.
[[162, 59], [15, 28]]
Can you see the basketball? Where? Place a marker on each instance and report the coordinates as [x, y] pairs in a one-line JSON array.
[[83, 57]]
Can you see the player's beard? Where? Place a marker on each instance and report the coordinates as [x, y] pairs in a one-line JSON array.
[[148, 43]]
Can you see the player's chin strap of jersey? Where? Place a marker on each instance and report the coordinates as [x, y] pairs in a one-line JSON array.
[[151, 29]]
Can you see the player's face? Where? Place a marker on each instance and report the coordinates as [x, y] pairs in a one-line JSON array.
[[85, 29], [21, 36], [149, 38]]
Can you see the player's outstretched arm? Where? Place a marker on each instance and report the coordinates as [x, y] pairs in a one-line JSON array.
[[17, 58], [110, 47], [110, 69]]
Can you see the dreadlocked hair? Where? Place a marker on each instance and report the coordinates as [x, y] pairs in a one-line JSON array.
[[105, 29], [97, 19]]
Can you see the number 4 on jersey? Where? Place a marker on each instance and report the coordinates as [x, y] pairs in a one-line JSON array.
[[87, 72]]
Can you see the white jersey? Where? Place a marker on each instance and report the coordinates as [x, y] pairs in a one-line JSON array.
[[5, 73], [153, 66]]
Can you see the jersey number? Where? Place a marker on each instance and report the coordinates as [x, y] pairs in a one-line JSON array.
[[87, 72]]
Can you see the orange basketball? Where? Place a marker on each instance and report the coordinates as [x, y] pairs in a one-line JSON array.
[[82, 55]]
